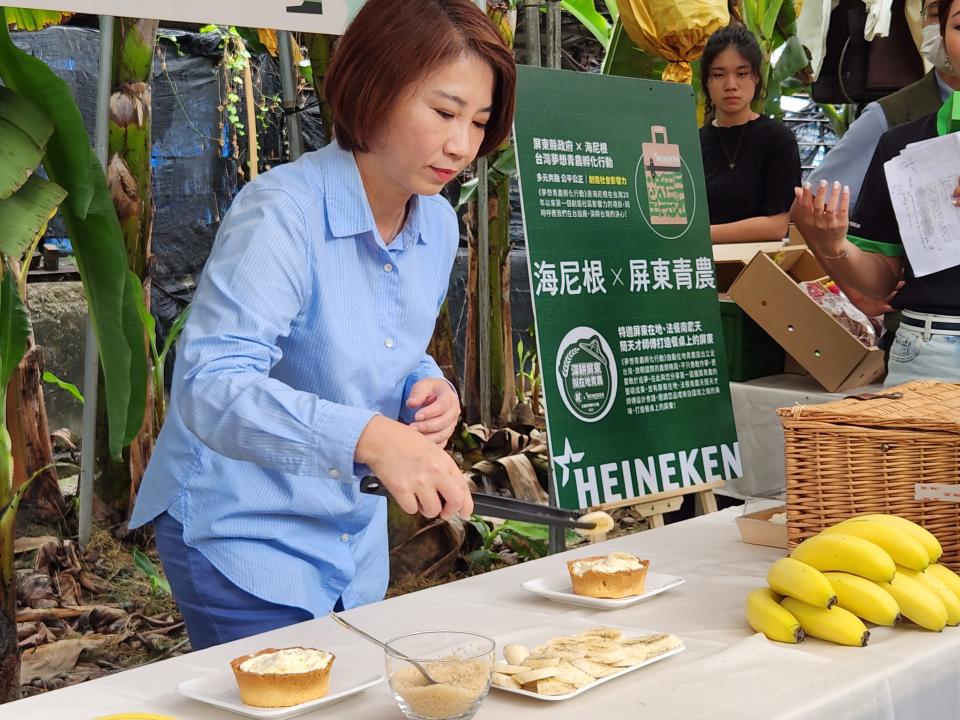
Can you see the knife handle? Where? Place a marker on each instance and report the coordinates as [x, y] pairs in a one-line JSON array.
[[372, 486]]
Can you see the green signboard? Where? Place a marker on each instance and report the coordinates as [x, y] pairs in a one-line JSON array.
[[623, 285]]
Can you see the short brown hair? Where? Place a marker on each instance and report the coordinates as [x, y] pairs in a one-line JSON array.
[[392, 44]]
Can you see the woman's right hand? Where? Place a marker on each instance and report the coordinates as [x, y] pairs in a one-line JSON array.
[[419, 474], [823, 219]]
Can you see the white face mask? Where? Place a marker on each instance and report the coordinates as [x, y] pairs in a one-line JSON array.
[[932, 47]]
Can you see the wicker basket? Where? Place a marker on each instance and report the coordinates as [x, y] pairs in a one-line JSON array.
[[867, 453]]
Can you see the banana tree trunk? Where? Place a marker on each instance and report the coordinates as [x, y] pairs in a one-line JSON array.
[[30, 440], [501, 361], [129, 177]]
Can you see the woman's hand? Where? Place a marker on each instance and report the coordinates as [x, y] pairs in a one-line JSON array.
[[956, 194], [823, 221], [419, 474], [438, 409]]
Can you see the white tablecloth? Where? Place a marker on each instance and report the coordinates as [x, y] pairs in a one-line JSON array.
[[755, 405], [726, 672]]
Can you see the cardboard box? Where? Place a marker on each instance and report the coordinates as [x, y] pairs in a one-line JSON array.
[[755, 528], [730, 259], [767, 290], [794, 237]]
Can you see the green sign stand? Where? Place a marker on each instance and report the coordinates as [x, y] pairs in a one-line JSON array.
[[624, 292]]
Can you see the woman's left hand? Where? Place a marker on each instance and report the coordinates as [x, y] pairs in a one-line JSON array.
[[438, 409], [956, 194]]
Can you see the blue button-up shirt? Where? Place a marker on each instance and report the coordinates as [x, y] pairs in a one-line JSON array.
[[304, 326]]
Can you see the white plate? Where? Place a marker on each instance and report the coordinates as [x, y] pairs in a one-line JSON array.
[[220, 689], [558, 588], [572, 626]]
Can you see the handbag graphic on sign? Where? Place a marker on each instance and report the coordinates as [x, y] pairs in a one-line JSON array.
[[663, 170]]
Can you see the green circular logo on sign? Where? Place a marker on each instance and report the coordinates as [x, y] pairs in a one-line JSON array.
[[586, 374]]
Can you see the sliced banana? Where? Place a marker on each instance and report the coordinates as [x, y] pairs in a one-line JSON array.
[[569, 662], [602, 522], [515, 654]]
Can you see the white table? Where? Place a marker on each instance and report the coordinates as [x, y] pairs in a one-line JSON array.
[[727, 671], [755, 405]]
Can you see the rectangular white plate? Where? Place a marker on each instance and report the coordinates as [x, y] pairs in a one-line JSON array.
[[220, 689], [558, 588], [572, 626]]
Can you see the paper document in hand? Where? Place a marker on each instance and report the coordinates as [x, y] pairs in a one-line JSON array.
[[921, 182]]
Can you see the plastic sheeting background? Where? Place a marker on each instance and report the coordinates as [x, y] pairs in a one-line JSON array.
[[197, 166]]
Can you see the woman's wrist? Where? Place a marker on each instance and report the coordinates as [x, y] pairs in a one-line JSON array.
[[835, 252]]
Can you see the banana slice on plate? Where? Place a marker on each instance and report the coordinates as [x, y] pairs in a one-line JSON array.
[[602, 522]]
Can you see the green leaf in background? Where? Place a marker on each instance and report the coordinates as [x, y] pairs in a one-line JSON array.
[[524, 544], [49, 377], [792, 60], [770, 18], [146, 566], [173, 333], [69, 147], [26, 213], [586, 12], [14, 331], [25, 115], [94, 229], [24, 19]]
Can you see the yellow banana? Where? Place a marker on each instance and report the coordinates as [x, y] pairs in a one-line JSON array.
[[767, 616], [864, 599], [846, 553], [797, 580], [836, 624], [900, 544], [918, 604], [950, 601], [947, 576], [929, 540]]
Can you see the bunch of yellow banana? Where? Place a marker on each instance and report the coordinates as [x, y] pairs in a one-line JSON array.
[[878, 568]]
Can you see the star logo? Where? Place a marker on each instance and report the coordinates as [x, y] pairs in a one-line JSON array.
[[569, 456]]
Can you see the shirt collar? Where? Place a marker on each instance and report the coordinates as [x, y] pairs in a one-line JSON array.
[[945, 90], [348, 211]]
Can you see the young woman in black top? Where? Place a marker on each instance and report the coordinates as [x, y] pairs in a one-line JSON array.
[[867, 253], [751, 162]]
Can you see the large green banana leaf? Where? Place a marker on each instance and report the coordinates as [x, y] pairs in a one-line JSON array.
[[92, 225], [27, 201], [25, 213]]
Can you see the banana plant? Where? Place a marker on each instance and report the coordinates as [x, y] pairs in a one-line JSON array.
[[503, 15], [129, 177], [14, 329], [774, 23], [27, 202], [592, 19], [95, 233]]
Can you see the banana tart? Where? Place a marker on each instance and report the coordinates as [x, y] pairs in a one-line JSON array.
[[283, 677], [616, 575]]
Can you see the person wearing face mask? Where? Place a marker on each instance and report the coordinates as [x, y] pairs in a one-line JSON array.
[[847, 162], [303, 365], [864, 250]]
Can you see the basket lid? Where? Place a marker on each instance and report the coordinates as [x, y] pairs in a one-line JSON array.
[[919, 405]]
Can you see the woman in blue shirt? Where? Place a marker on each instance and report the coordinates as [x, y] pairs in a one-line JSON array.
[[303, 365]]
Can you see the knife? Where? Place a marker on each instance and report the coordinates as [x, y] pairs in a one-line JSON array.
[[502, 507]]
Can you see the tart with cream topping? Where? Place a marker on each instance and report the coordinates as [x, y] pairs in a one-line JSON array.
[[282, 677], [616, 575]]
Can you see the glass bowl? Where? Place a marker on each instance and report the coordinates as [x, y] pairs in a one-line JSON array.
[[461, 662]]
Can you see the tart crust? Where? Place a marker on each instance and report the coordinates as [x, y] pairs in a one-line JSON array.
[[280, 689], [620, 584]]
